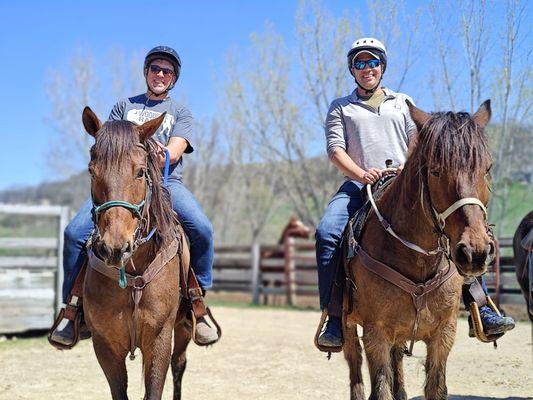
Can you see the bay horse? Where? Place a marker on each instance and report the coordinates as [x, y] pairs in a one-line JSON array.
[[523, 259], [436, 205], [129, 202]]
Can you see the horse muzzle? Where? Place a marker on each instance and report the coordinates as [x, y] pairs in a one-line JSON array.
[[473, 261], [113, 256]]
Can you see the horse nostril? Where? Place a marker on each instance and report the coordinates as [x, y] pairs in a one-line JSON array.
[[464, 253]]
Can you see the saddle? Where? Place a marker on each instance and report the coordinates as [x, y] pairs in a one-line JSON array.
[[189, 288]]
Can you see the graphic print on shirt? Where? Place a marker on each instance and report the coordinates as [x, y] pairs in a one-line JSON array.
[[140, 116]]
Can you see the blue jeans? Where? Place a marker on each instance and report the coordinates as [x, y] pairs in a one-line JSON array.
[[329, 232], [194, 221]]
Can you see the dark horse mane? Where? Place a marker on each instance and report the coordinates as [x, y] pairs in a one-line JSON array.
[[448, 142], [117, 139]]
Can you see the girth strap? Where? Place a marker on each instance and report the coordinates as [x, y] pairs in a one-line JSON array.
[[418, 291], [137, 282]]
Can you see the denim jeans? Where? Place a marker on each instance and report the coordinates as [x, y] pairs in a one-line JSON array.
[[328, 234], [194, 221]]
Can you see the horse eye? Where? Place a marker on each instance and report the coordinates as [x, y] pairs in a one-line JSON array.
[[435, 173], [141, 172]]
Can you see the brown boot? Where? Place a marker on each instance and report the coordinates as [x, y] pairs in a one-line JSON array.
[[205, 333]]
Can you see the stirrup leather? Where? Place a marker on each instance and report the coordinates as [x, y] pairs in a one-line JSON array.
[[73, 311], [478, 325]]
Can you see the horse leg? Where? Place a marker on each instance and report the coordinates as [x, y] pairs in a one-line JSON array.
[[397, 371], [378, 354], [156, 359], [353, 354], [112, 362], [182, 337], [438, 349]]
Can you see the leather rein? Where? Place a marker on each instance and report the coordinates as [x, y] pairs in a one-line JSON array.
[[417, 291]]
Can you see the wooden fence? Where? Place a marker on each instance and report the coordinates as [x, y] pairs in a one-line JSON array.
[[30, 285]]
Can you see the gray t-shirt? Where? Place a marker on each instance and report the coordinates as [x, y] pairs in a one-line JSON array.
[[177, 123], [370, 136]]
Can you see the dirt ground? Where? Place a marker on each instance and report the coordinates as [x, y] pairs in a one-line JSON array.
[[266, 353]]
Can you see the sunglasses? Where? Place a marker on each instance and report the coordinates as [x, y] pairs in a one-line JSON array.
[[360, 65], [155, 69]]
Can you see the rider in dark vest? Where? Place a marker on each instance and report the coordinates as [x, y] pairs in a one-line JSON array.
[[363, 130]]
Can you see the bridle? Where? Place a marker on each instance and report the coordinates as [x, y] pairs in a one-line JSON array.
[[140, 210], [443, 245]]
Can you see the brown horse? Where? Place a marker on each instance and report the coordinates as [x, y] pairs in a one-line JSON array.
[[523, 249], [449, 160], [129, 201]]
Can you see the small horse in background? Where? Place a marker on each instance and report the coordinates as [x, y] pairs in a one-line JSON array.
[[135, 229], [437, 205], [523, 259], [294, 229]]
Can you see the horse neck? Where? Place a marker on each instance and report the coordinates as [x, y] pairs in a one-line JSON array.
[[402, 206]]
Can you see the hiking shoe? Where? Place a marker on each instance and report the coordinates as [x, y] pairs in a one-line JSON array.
[[493, 324], [332, 335], [66, 335], [205, 333]]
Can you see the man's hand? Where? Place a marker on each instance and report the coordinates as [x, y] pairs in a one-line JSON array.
[[399, 170], [371, 176], [160, 154]]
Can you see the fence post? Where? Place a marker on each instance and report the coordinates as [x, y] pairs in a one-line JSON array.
[[62, 224], [256, 272], [290, 270]]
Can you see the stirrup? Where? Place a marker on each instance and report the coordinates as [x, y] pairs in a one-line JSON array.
[[71, 312], [478, 325], [213, 320], [320, 329]]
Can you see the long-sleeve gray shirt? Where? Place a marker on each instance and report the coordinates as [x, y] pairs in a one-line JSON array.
[[368, 136]]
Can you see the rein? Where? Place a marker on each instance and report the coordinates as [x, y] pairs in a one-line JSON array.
[[440, 218]]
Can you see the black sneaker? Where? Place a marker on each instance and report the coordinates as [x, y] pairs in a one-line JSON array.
[[332, 335], [66, 335], [494, 324]]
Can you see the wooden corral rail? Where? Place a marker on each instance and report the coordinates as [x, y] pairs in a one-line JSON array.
[[289, 270], [501, 280], [30, 285]]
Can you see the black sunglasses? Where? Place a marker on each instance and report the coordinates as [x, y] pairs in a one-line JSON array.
[[360, 65], [155, 69]]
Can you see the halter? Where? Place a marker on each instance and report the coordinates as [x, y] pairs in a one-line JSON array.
[[440, 219]]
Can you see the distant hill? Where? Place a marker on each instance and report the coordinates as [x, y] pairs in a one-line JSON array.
[[69, 192]]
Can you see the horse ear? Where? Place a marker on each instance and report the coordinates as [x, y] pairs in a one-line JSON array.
[[419, 117], [147, 129], [482, 116], [90, 121]]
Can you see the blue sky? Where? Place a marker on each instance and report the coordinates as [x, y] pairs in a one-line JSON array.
[[40, 35]]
